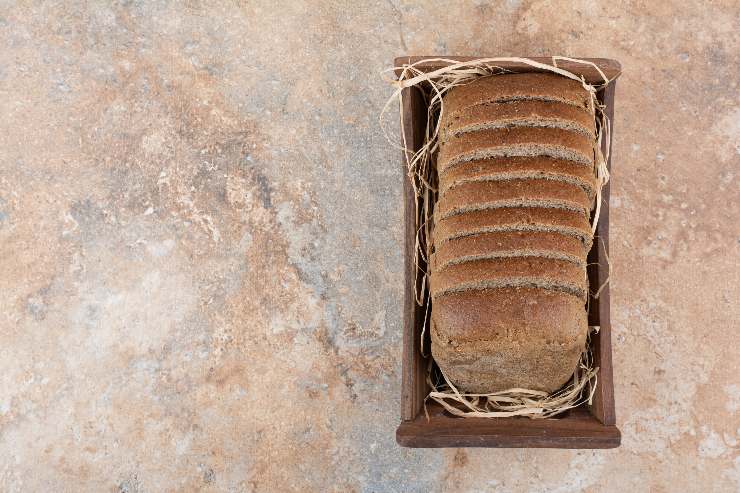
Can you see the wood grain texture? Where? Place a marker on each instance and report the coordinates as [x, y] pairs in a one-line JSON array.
[[585, 427], [603, 403], [413, 381]]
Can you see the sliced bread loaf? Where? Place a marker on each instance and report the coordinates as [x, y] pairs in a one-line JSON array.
[[511, 232]]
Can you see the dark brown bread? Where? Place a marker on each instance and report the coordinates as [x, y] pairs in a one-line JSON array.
[[540, 87], [555, 274], [511, 232], [475, 222], [522, 167], [509, 244], [517, 141], [518, 113], [475, 195], [512, 313], [497, 339]]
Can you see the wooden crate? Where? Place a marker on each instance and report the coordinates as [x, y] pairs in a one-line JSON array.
[[584, 427]]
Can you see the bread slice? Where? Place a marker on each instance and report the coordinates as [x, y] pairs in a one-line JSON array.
[[513, 142], [509, 244], [477, 195], [514, 218], [520, 167], [548, 273], [492, 340], [518, 113], [517, 87]]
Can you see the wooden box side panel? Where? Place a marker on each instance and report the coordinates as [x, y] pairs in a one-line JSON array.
[[414, 386], [579, 430], [603, 402]]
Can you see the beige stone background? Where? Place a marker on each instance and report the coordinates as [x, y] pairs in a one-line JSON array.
[[200, 245]]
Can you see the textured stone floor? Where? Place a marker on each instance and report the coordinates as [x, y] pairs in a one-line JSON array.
[[200, 245]]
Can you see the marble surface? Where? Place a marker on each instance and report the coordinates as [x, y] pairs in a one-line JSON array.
[[200, 245]]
